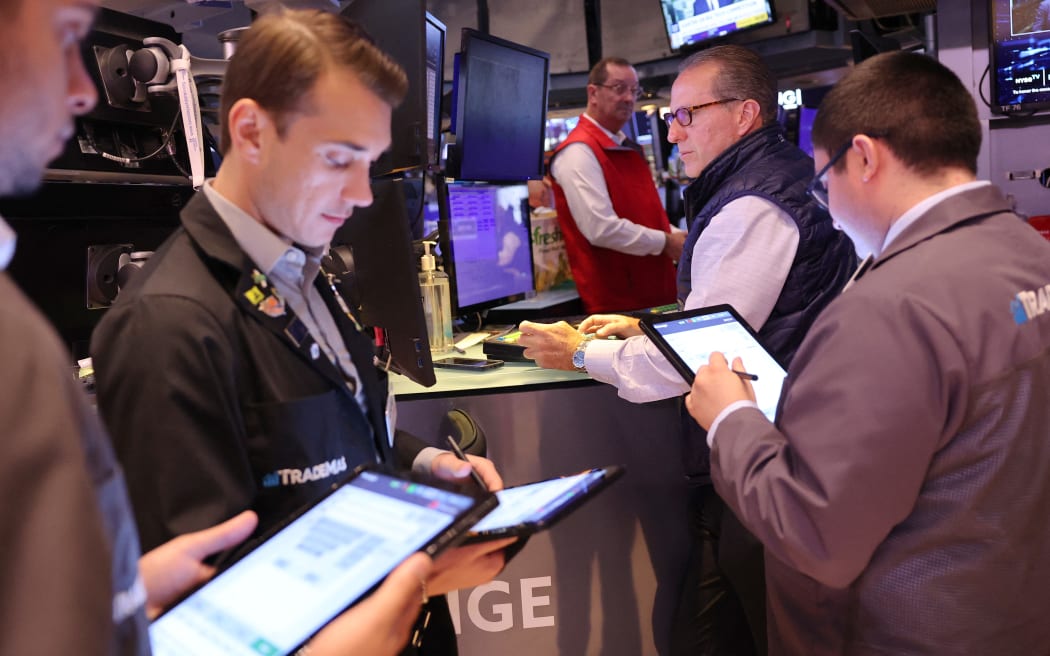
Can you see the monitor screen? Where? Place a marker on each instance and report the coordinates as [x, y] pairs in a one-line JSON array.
[[1020, 55], [806, 116], [691, 22], [372, 256], [500, 106], [485, 243], [415, 40]]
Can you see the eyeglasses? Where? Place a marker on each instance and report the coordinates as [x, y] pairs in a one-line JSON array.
[[684, 115], [818, 187], [620, 88]]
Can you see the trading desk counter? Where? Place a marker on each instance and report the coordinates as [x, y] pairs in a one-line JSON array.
[[605, 580]]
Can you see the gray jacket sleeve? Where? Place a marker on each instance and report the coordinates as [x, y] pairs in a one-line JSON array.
[[866, 406], [55, 570]]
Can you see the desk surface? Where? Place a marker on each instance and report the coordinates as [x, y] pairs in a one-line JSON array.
[[512, 376]]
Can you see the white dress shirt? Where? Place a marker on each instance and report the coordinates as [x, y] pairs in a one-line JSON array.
[[577, 171], [742, 258]]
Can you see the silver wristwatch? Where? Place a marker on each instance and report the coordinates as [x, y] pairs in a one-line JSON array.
[[578, 354]]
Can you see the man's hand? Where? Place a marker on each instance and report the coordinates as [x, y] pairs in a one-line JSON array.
[[468, 566], [715, 387], [380, 624], [610, 325], [450, 468], [549, 344], [177, 565], [673, 244]]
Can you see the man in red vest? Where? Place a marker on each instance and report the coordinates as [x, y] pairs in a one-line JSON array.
[[621, 247]]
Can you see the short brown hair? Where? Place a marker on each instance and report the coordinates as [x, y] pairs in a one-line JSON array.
[[600, 71], [280, 58], [913, 102], [741, 74]]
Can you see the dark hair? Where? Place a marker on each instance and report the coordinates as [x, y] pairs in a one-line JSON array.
[[741, 74], [913, 102], [280, 58], [600, 71]]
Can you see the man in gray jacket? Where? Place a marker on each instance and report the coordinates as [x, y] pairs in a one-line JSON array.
[[902, 493]]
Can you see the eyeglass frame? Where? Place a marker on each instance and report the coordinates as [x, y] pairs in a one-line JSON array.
[[817, 189], [638, 90], [670, 117]]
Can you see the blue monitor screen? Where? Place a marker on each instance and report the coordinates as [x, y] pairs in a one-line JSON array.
[[486, 246], [1020, 55], [691, 22], [806, 116]]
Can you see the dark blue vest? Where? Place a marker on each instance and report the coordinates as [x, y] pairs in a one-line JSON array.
[[764, 164]]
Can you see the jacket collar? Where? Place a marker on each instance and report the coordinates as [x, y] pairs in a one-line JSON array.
[[250, 289], [729, 161], [954, 210]]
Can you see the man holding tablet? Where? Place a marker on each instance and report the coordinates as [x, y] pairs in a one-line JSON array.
[[71, 579], [901, 494], [228, 370]]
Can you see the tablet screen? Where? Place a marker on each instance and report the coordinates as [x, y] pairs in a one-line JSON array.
[[694, 338], [536, 503], [283, 592]]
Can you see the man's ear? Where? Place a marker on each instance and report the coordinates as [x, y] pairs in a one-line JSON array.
[[870, 156], [750, 117], [248, 123]]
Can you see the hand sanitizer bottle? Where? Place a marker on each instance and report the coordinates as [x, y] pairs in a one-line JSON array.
[[437, 306]]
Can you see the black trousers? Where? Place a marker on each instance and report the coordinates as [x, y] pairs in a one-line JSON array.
[[722, 608]]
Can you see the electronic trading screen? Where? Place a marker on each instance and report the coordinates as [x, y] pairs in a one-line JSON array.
[[489, 246]]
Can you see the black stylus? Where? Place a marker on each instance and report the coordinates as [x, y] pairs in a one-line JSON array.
[[459, 454]]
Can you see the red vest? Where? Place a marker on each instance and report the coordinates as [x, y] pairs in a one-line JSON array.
[[608, 280]]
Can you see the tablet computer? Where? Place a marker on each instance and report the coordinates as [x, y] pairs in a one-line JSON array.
[[687, 339], [316, 565], [526, 509]]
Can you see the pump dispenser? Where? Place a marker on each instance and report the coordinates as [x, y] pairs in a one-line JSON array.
[[437, 306]]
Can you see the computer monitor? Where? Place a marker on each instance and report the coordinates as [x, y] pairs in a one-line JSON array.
[[806, 116], [484, 232], [500, 110], [690, 23], [372, 256], [1019, 57], [416, 40]]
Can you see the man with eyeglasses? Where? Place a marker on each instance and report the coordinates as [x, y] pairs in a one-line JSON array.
[[620, 245], [901, 494], [757, 242]]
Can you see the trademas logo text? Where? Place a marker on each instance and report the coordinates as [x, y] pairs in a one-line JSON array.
[[284, 477], [1030, 304]]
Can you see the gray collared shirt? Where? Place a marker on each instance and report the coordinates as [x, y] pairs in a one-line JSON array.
[[292, 272]]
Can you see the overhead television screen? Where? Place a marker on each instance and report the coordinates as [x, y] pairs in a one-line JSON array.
[[691, 22], [1020, 55]]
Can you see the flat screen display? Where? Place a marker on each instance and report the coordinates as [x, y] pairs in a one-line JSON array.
[[284, 591], [688, 338], [500, 110], [485, 243], [806, 116], [1020, 55], [692, 22]]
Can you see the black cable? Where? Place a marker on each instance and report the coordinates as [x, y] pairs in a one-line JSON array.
[[129, 160], [980, 86]]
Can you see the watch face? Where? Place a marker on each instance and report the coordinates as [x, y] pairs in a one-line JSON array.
[[577, 358]]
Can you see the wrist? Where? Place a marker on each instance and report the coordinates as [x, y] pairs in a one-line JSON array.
[[579, 353]]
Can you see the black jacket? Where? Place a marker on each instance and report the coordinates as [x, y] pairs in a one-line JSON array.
[[216, 407]]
